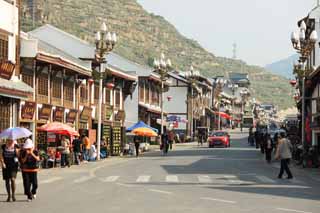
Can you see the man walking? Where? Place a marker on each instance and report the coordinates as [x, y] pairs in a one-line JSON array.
[[284, 154], [77, 147]]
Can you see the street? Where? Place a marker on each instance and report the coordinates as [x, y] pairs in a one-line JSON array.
[[189, 179]]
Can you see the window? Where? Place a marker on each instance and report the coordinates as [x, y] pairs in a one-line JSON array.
[[56, 88], [43, 85], [28, 79], [141, 92], [147, 94], [83, 93], [96, 92], [117, 98], [4, 46], [108, 94], [68, 91]]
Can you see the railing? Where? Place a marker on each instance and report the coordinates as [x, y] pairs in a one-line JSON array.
[[56, 101], [68, 104], [42, 99]]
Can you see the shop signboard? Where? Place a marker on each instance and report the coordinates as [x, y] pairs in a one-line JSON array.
[[6, 69], [85, 114], [71, 116], [58, 114], [45, 112], [27, 110], [108, 112]]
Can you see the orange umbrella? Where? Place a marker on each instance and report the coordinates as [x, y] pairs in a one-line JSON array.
[[59, 128], [143, 131]]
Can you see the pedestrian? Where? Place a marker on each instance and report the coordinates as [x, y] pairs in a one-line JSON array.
[[268, 148], [9, 164], [165, 143], [65, 157], [136, 142], [77, 147], [171, 139], [87, 146], [29, 167], [284, 154], [93, 153]]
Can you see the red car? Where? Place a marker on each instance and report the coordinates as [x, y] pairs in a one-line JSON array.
[[219, 138]]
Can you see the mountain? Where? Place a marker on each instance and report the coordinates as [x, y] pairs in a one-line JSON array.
[[283, 67], [143, 36]]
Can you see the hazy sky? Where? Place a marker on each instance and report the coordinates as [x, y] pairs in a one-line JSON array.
[[261, 28]]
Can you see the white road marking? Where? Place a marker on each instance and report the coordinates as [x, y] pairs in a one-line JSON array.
[[159, 191], [292, 210], [172, 179], [232, 179], [218, 200], [51, 180], [110, 179], [204, 179], [82, 179], [125, 185], [265, 179], [143, 179]]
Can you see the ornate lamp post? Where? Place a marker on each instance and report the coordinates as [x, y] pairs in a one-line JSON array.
[[105, 42], [192, 75], [219, 83], [162, 66], [304, 45], [233, 88]]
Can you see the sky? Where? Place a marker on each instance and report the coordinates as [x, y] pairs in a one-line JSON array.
[[260, 28]]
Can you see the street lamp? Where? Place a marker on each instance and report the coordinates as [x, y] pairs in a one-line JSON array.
[[192, 75], [162, 66], [219, 83], [304, 45], [105, 42], [233, 88]]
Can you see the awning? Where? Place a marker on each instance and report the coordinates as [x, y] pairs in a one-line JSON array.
[[14, 89], [152, 109]]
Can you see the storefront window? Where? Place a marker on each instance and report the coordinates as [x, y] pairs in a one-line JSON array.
[[108, 98], [83, 94], [4, 113], [118, 98], [141, 92], [68, 92], [3, 46], [147, 94]]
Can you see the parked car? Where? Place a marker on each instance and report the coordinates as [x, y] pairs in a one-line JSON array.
[[219, 138]]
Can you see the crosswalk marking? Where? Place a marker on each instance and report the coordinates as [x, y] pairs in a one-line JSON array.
[[204, 179], [110, 179], [265, 179], [82, 179], [172, 179], [143, 179], [51, 180]]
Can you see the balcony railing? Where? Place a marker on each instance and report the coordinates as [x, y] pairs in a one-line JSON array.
[[68, 104], [56, 101], [42, 99]]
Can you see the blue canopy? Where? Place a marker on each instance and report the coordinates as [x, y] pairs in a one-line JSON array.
[[139, 125]]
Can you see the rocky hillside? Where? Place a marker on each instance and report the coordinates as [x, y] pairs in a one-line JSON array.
[[143, 36]]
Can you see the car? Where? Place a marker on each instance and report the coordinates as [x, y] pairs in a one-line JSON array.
[[219, 138]]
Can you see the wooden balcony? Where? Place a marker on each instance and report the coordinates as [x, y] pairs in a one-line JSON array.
[[68, 104], [84, 102], [42, 99], [56, 101]]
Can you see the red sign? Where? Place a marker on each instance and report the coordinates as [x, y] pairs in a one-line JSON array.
[[58, 114], [71, 116], [6, 69], [45, 112], [27, 110]]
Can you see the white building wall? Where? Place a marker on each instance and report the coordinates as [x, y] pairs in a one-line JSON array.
[[9, 17], [131, 108]]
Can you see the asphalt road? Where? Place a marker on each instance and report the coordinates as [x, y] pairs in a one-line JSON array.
[[189, 179]]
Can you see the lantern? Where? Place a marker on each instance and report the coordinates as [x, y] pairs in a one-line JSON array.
[[169, 98], [90, 81], [293, 82], [110, 85]]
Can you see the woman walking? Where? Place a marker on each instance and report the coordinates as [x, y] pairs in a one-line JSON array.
[[9, 164], [268, 148], [284, 154], [30, 166]]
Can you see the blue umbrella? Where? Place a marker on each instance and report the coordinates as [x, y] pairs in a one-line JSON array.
[[140, 124], [15, 133]]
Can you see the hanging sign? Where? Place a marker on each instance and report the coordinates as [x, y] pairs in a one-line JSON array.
[[45, 112], [6, 69], [58, 114], [27, 110]]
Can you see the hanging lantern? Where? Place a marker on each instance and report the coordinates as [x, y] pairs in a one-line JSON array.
[[110, 85], [169, 98], [293, 82], [90, 80]]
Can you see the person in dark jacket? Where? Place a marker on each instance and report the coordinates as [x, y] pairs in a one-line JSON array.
[[29, 167], [165, 143], [136, 141], [268, 148], [9, 164]]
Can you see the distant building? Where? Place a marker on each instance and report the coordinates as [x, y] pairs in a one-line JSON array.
[[241, 79]]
